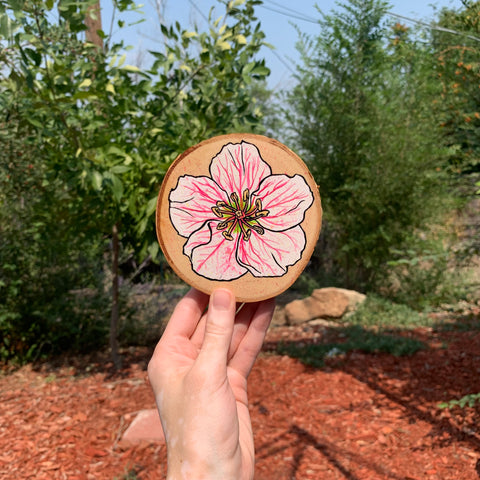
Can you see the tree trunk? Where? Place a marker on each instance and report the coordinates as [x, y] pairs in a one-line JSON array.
[[115, 308], [93, 22]]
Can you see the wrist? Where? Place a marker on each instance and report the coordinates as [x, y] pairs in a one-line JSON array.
[[202, 470]]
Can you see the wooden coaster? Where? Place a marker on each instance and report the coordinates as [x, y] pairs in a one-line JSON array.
[[240, 211]]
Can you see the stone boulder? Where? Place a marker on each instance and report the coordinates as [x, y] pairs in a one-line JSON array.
[[323, 303], [145, 427], [354, 298]]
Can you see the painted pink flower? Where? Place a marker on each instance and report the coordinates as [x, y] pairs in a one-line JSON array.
[[242, 218]]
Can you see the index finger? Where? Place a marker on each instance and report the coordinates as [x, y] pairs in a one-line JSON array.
[[187, 314]]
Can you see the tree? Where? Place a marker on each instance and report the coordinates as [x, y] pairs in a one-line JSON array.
[[105, 132], [362, 116], [457, 45], [458, 49]]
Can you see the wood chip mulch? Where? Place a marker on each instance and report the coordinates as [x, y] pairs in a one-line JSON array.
[[360, 417]]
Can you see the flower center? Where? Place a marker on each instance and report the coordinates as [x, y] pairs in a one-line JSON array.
[[241, 213]]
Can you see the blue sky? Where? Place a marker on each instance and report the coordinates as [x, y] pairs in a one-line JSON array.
[[278, 19]]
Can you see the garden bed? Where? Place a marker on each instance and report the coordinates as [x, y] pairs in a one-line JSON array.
[[361, 416]]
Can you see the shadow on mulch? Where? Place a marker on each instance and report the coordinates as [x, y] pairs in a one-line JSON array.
[[444, 364], [98, 362], [329, 450]]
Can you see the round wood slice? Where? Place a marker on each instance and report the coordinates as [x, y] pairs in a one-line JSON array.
[[239, 211]]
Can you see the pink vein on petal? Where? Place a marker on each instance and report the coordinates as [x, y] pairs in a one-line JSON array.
[[286, 199], [270, 254], [212, 256], [201, 237], [191, 203], [238, 167]]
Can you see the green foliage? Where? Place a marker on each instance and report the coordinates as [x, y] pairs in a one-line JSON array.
[[459, 110], [85, 142], [109, 130], [38, 266], [425, 280], [458, 321], [380, 312], [459, 74], [468, 400], [130, 474], [373, 328], [362, 116], [354, 338], [146, 312], [306, 283]]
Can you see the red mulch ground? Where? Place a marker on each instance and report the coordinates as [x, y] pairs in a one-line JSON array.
[[361, 417]]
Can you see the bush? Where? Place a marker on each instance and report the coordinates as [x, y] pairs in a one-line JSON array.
[[362, 116], [382, 313], [39, 312], [43, 257], [425, 275]]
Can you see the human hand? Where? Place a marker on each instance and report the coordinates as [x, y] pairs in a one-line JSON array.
[[198, 373]]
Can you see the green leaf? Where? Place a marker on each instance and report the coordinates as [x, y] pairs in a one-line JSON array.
[[131, 68], [122, 60], [85, 83], [116, 185], [153, 249], [6, 26], [97, 180], [151, 206], [241, 39], [114, 150], [189, 34], [35, 122], [120, 169], [142, 225], [34, 55], [224, 46], [83, 95], [260, 70]]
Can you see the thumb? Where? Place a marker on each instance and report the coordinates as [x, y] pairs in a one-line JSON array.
[[219, 327]]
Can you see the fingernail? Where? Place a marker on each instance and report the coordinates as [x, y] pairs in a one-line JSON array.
[[221, 299]]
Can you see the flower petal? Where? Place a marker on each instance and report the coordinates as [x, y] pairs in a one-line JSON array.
[[270, 254], [191, 203], [286, 199], [212, 256], [239, 166]]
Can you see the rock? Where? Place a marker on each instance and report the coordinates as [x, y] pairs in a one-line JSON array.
[[321, 322], [300, 311], [323, 303], [145, 427], [330, 302], [354, 298]]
